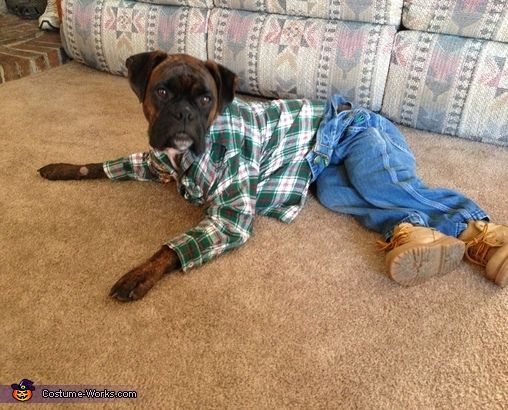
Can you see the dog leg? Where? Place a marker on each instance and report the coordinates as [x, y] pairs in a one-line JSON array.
[[69, 171], [138, 281]]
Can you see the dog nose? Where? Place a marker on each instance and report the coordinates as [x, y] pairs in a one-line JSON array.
[[184, 114]]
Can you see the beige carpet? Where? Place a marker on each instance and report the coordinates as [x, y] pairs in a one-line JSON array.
[[300, 317]]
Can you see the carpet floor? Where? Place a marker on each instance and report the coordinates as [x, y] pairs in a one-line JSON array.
[[300, 317]]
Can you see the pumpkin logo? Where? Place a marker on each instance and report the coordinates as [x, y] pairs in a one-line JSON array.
[[23, 390]]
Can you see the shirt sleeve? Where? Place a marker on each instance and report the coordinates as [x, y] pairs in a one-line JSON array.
[[142, 166], [227, 225]]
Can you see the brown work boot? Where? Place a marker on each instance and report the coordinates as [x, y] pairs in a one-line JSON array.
[[487, 245], [417, 253]]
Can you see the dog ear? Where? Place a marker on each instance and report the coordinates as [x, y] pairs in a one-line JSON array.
[[226, 82], [139, 67]]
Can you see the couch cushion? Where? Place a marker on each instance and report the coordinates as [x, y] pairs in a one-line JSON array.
[[449, 84], [103, 34], [288, 57], [486, 19], [370, 11]]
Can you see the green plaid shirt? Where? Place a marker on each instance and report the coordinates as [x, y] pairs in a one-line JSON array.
[[254, 163]]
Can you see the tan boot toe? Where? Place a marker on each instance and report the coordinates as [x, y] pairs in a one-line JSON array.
[[487, 245], [497, 267]]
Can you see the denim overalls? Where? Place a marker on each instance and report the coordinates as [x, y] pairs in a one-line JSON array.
[[363, 167]]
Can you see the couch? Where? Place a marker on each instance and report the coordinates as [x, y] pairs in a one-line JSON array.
[[434, 65]]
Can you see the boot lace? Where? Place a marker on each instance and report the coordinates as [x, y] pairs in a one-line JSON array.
[[478, 248], [399, 238]]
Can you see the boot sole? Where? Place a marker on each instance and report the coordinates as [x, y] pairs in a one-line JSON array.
[[411, 264]]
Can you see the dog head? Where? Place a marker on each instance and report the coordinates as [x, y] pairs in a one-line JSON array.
[[181, 97]]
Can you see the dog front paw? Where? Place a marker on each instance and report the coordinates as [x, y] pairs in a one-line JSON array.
[[137, 282], [56, 172], [133, 285]]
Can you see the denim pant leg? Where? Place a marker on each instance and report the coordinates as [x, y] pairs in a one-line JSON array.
[[379, 168], [334, 191]]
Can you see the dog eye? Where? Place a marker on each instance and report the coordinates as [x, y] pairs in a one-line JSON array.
[[162, 93], [205, 99]]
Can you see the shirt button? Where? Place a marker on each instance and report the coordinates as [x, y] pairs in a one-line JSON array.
[[191, 265], [317, 160]]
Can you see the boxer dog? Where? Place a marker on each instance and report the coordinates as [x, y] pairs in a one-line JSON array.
[[181, 97]]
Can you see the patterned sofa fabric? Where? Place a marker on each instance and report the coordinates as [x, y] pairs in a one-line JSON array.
[[369, 11], [102, 34], [450, 85], [289, 57], [487, 19], [186, 3]]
